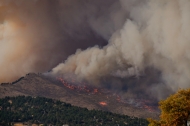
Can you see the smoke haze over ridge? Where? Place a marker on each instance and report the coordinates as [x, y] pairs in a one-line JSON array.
[[38, 34], [131, 36]]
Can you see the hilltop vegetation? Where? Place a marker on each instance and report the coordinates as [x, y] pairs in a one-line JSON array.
[[46, 111]]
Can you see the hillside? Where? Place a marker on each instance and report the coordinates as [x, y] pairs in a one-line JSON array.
[[38, 85], [39, 110]]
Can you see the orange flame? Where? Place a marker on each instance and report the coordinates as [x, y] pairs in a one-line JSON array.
[[142, 103], [78, 88], [103, 103]]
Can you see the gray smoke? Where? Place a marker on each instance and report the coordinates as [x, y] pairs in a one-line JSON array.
[[137, 46], [36, 35], [155, 35]]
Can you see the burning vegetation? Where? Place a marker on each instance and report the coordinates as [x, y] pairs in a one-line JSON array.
[[103, 103], [79, 87], [89, 90]]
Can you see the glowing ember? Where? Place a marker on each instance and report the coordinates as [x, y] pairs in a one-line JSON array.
[[140, 103], [76, 87], [103, 103], [95, 90], [118, 98]]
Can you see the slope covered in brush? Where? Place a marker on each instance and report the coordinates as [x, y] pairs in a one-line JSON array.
[[48, 111]]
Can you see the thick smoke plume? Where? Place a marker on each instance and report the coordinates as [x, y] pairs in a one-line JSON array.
[[36, 35], [155, 35], [112, 40]]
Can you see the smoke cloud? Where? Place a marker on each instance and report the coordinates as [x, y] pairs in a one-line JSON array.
[[113, 41], [155, 35], [36, 35]]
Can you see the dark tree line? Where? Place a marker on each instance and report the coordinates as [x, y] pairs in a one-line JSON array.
[[14, 82], [46, 111]]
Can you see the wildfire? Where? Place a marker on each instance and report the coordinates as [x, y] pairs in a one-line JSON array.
[[103, 103], [148, 108], [118, 98], [82, 88], [95, 90], [140, 103], [145, 104]]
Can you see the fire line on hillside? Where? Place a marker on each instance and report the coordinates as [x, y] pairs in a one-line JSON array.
[[140, 103]]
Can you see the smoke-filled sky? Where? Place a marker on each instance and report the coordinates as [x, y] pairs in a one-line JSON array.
[[36, 35], [98, 40]]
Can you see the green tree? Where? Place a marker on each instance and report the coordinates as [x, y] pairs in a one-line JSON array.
[[175, 110]]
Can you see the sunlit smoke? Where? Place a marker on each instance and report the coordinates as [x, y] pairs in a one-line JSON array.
[[36, 35]]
